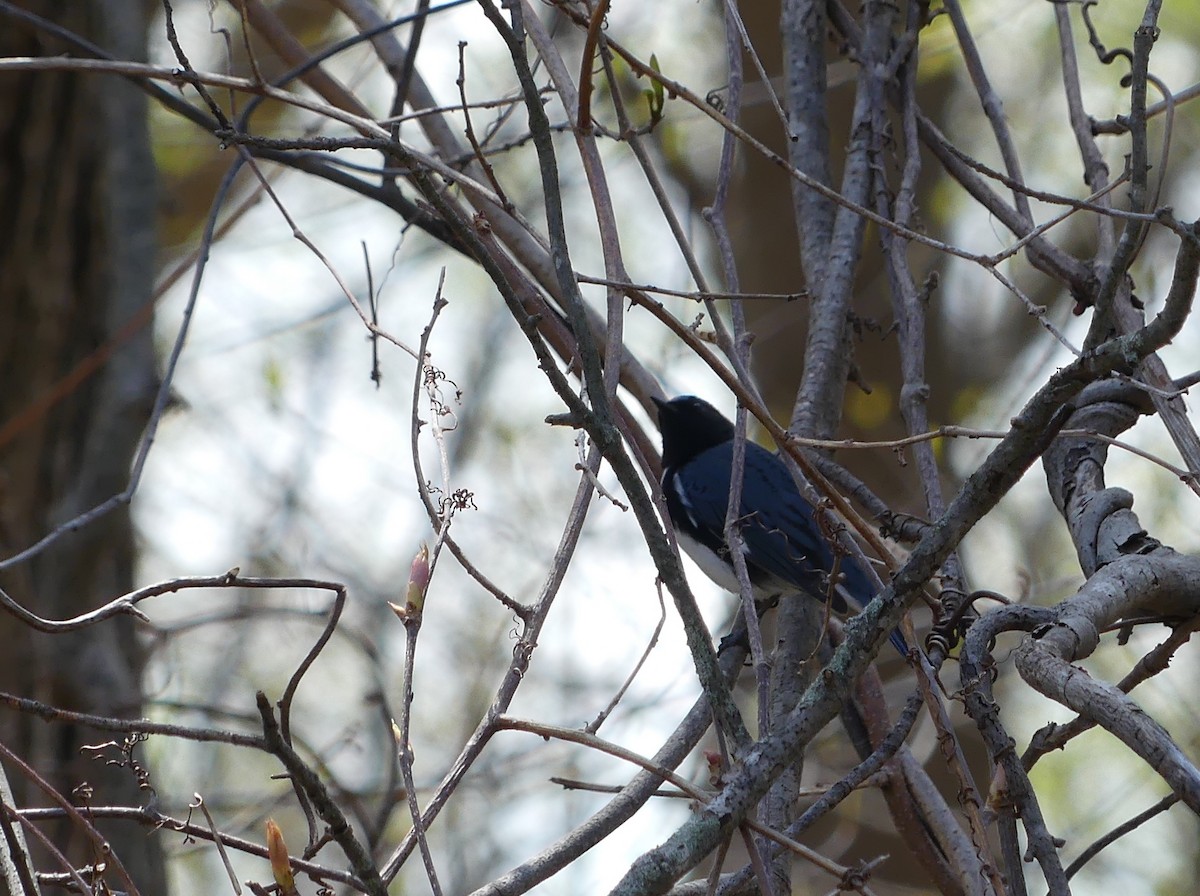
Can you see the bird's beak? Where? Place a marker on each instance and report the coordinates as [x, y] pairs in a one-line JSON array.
[[664, 409]]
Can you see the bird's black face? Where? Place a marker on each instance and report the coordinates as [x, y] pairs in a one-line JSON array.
[[690, 426]]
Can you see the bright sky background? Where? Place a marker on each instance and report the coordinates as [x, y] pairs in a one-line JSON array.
[[276, 391]]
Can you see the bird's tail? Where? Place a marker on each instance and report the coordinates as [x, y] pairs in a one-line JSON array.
[[857, 589]]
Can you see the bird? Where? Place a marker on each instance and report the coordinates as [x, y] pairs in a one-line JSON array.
[[783, 547]]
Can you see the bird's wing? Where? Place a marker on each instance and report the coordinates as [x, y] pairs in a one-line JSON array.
[[779, 525], [783, 542], [697, 497], [783, 537], [780, 532]]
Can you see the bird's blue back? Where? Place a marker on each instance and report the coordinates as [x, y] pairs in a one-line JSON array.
[[780, 530], [782, 541]]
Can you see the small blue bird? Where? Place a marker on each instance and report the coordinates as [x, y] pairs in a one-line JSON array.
[[783, 546]]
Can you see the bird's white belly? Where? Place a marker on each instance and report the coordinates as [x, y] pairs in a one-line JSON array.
[[710, 564]]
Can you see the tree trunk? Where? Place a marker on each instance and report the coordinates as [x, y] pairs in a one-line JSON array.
[[77, 256]]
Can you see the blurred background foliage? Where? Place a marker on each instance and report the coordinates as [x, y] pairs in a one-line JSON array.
[[282, 457]]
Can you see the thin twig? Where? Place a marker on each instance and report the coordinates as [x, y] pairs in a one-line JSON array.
[[593, 726], [1120, 831], [574, 735], [99, 845]]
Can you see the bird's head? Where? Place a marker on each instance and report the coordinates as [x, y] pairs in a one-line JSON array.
[[689, 425]]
